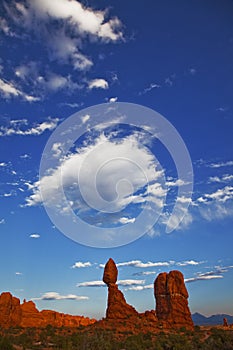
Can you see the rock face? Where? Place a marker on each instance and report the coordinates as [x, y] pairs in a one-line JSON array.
[[172, 300], [26, 315], [10, 311], [117, 306]]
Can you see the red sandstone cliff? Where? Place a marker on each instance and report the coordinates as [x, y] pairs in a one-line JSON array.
[[26, 315]]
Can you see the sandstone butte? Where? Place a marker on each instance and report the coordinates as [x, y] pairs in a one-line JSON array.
[[172, 311]]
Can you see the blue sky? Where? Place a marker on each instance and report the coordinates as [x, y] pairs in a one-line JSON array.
[[59, 59]]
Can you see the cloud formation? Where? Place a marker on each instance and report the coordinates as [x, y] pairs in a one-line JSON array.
[[34, 236], [124, 283], [56, 296], [20, 127], [80, 264]]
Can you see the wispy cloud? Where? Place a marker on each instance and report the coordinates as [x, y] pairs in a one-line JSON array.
[[9, 90], [80, 264], [21, 127], [140, 264], [139, 288], [202, 278], [221, 164], [221, 179], [56, 296], [216, 273], [124, 283], [149, 88], [189, 263], [2, 221]]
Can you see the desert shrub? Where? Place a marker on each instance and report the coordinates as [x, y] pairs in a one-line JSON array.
[[5, 344]]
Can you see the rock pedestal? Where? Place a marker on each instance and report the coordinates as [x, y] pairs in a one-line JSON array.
[[117, 306]]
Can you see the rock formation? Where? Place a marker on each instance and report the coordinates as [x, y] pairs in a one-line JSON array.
[[13, 314], [117, 306], [172, 300], [10, 311], [171, 312]]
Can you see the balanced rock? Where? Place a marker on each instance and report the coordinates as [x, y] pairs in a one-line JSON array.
[[117, 306], [110, 272], [172, 300]]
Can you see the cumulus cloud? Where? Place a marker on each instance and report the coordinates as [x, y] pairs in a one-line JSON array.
[[74, 23], [80, 264], [56, 296], [127, 169], [20, 127], [98, 84]]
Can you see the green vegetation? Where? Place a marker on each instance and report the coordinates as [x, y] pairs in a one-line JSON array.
[[100, 339]]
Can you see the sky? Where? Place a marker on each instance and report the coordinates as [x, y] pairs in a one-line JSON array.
[[116, 141]]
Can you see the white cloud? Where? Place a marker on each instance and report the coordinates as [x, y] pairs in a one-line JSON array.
[[174, 183], [3, 164], [56, 296], [2, 221], [202, 278], [80, 264], [140, 264], [25, 156], [34, 235], [98, 84], [125, 220], [113, 99], [18, 273], [38, 129], [127, 282], [220, 196], [74, 23], [91, 284], [8, 90], [85, 118], [189, 262], [221, 164], [223, 178], [137, 172], [149, 88], [139, 288]]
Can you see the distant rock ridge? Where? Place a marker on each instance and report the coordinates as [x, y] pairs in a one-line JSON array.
[[13, 314]]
